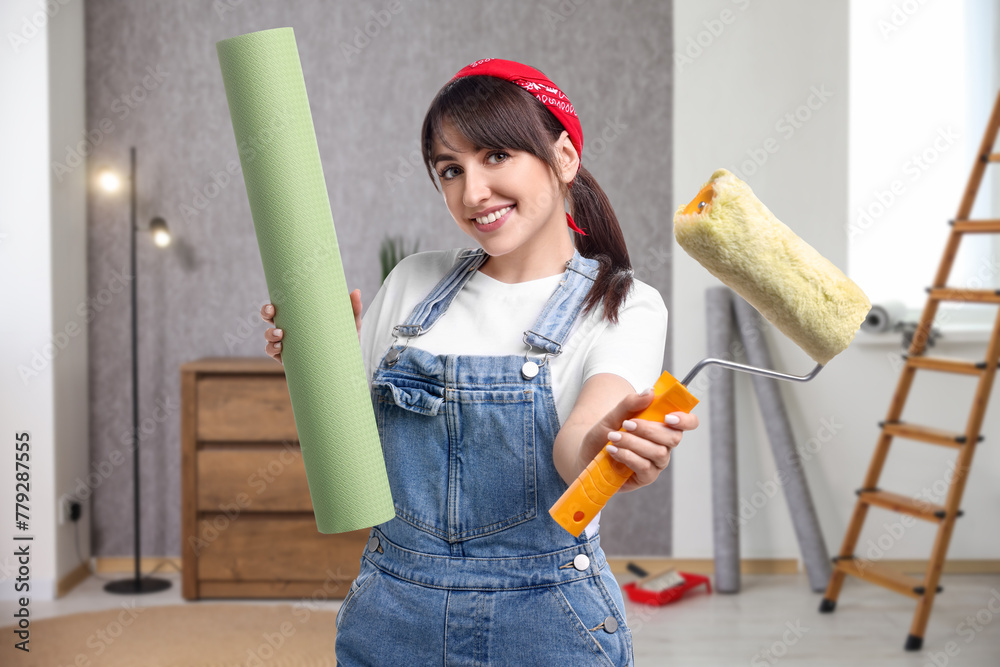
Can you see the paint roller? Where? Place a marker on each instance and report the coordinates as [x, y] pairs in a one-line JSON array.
[[804, 295]]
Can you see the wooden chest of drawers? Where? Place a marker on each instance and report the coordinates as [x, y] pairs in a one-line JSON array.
[[248, 528]]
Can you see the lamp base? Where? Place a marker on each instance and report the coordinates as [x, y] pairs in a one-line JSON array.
[[131, 586]]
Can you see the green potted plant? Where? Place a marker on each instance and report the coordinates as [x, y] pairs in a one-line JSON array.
[[391, 252]]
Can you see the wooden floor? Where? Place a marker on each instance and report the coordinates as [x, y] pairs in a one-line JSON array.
[[773, 621]]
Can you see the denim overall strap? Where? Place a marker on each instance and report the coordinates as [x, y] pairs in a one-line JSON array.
[[548, 332], [428, 311]]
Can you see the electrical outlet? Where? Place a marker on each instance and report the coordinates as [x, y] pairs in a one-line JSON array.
[[64, 508]]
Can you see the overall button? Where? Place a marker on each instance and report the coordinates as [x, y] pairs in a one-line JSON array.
[[582, 562], [373, 543], [610, 624], [529, 370]]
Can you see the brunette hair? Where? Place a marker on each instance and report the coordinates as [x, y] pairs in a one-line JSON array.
[[494, 113]]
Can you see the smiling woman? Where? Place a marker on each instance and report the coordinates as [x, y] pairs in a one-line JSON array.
[[514, 355]]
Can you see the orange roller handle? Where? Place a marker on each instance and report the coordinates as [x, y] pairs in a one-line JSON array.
[[601, 479]]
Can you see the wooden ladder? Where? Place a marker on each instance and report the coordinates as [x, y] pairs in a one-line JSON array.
[[869, 494]]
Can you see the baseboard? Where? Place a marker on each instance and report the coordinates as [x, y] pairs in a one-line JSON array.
[[791, 565], [147, 564], [704, 565], [72, 578], [114, 565]]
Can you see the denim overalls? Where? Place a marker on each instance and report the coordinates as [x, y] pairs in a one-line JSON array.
[[473, 570]]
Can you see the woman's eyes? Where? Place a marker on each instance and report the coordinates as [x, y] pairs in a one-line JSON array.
[[443, 174]]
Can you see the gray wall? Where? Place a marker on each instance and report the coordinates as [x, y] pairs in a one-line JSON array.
[[153, 81]]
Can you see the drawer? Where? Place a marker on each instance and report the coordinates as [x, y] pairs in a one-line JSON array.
[[244, 407], [252, 479], [268, 548]]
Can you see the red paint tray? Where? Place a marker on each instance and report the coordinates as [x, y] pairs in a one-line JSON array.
[[667, 595]]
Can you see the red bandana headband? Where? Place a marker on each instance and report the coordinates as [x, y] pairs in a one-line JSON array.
[[544, 90]]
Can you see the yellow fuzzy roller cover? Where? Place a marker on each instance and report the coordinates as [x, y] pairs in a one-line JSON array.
[[733, 235]]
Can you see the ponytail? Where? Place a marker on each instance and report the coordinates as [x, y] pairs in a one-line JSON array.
[[604, 242]]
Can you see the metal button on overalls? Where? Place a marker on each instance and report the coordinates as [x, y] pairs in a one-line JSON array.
[[581, 562]]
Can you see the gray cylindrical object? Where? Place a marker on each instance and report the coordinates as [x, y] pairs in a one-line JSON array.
[[884, 317], [786, 457], [722, 417]]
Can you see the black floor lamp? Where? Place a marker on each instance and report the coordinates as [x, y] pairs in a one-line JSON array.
[[161, 237]]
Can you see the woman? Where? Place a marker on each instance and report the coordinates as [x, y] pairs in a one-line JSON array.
[[485, 422]]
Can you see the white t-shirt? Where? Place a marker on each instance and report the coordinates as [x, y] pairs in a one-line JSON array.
[[489, 317]]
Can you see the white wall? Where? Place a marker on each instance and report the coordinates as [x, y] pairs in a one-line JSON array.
[[67, 122], [43, 378], [757, 63]]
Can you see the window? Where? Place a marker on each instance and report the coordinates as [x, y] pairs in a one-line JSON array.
[[923, 80]]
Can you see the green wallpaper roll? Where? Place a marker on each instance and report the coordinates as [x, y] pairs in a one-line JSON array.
[[291, 213]]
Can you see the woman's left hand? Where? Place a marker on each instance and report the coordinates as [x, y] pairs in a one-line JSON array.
[[645, 449]]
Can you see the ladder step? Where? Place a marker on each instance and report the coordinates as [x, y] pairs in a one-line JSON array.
[[905, 504], [882, 575], [935, 436], [983, 226], [966, 295], [991, 157], [947, 364]]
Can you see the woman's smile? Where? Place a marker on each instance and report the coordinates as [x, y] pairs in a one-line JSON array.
[[495, 220]]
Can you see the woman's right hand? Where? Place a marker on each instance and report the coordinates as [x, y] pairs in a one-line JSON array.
[[274, 336], [356, 305]]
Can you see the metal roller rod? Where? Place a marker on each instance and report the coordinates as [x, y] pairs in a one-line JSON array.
[[749, 369]]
